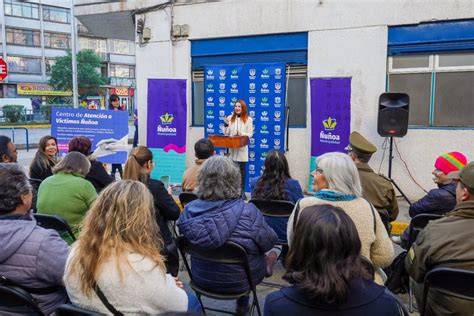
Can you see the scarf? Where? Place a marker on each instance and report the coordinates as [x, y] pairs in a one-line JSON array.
[[330, 195]]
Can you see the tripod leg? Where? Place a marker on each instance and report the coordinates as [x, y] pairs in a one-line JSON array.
[[400, 190]]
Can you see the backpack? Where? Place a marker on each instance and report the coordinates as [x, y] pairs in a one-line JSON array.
[[398, 280]]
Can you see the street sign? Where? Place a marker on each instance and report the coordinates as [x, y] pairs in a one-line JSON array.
[[3, 69]]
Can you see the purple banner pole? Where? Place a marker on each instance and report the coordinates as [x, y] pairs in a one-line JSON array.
[[166, 127], [330, 116]]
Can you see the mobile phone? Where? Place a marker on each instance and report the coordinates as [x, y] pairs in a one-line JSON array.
[[166, 181]]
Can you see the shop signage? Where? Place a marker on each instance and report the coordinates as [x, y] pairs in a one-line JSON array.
[[40, 89], [3, 69], [121, 91]]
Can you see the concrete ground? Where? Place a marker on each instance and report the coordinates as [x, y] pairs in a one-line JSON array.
[[25, 157]]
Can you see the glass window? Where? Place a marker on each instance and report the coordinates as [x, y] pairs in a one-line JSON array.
[[418, 87], [121, 47], [55, 14], [456, 60], [50, 62], [122, 71], [24, 64], [56, 40], [454, 99], [23, 37], [400, 62], [21, 9]]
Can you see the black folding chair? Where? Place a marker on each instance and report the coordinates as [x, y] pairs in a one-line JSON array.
[[451, 282], [274, 208], [186, 197], [15, 300], [229, 253], [71, 310], [55, 222], [418, 223]]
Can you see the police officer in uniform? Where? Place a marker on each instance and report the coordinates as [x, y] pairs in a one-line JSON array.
[[376, 188], [446, 242]]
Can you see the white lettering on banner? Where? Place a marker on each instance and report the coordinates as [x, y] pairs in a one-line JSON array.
[[329, 138], [166, 130], [67, 121]]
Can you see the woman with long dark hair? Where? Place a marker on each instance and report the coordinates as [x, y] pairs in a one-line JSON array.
[[239, 123], [138, 167], [276, 182], [114, 105], [45, 159], [328, 276]]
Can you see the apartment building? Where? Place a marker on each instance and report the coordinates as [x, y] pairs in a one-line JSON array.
[[35, 33]]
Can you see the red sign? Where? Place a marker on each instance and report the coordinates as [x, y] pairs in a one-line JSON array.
[[121, 91], [3, 69]]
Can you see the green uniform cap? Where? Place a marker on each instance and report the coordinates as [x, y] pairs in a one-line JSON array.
[[358, 143]]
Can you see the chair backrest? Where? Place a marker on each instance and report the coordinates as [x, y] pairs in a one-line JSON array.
[[55, 222], [229, 253], [452, 282], [15, 300], [186, 197], [274, 208], [71, 310], [418, 223]]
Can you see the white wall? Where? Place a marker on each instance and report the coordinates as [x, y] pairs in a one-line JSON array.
[[346, 39]]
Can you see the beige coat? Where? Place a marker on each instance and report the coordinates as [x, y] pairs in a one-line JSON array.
[[245, 129], [376, 244]]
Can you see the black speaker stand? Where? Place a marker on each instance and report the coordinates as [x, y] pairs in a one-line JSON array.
[[390, 158]]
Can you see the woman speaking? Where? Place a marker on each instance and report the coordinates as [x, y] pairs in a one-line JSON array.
[[239, 124]]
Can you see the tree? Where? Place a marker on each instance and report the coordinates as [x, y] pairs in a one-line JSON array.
[[89, 78]]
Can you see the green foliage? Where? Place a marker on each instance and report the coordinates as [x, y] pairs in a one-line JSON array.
[[88, 76], [46, 110], [13, 113]]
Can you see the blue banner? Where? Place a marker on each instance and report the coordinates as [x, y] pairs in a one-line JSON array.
[[107, 130], [263, 88]]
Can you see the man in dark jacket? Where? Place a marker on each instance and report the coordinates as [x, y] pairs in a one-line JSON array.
[[446, 242], [8, 151], [30, 256], [218, 216], [442, 199]]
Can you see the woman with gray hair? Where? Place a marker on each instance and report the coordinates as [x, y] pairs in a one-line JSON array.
[[218, 216], [30, 256], [67, 193], [336, 182]]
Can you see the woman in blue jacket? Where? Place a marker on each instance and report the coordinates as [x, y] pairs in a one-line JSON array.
[[327, 273], [218, 216]]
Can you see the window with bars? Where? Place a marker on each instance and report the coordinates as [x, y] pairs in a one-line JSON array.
[[21, 9], [55, 14], [23, 37], [440, 87], [22, 64], [296, 100], [57, 40]]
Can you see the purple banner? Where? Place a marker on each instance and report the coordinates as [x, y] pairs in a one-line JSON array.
[[330, 114], [166, 126]]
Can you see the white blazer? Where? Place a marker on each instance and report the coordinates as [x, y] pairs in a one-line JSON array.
[[245, 129]]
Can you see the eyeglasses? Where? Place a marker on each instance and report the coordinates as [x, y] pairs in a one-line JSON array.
[[318, 170]]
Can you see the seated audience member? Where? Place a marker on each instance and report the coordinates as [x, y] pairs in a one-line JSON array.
[[8, 152], [326, 272], [139, 167], [442, 199], [336, 182], [446, 242], [30, 256], [376, 188], [45, 159], [276, 184], [203, 149], [118, 253], [218, 216], [97, 175], [67, 193]]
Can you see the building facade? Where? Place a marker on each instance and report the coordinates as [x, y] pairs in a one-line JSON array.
[[423, 48], [36, 33]]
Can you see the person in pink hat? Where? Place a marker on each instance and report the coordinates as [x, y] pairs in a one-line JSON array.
[[443, 198]]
